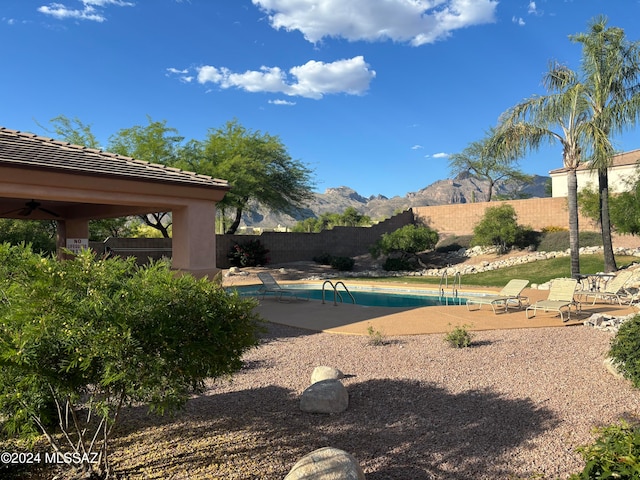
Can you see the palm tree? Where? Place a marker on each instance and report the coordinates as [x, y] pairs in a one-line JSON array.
[[563, 117], [611, 74]]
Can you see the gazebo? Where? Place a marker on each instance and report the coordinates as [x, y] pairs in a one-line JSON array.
[[45, 179]]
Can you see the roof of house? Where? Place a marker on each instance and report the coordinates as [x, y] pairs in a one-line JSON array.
[[27, 150], [624, 159]]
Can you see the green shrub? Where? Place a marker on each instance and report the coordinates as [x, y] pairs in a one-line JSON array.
[[249, 254], [344, 264], [454, 243], [397, 265], [459, 337], [499, 228], [40, 234], [625, 349], [615, 454], [376, 337], [558, 241], [91, 335], [323, 259], [553, 228], [404, 244]]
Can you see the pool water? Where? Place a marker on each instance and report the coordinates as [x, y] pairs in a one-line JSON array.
[[369, 297]]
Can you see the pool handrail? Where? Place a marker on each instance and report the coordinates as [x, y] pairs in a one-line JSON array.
[[337, 294], [455, 285]]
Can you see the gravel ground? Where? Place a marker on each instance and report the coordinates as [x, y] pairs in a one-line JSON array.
[[513, 406]]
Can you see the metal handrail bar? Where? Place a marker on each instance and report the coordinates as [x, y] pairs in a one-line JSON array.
[[336, 294], [443, 278], [457, 278]]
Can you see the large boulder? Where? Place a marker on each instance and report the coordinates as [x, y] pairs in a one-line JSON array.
[[325, 373], [326, 463], [325, 396]]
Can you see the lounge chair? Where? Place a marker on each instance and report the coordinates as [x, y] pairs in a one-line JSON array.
[[270, 285], [560, 296], [613, 290], [510, 294]]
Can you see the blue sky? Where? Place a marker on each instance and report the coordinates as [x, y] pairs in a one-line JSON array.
[[372, 94]]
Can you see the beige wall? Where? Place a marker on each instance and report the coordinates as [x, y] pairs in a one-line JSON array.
[[619, 177], [537, 213]]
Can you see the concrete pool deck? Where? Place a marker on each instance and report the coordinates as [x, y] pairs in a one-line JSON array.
[[355, 320]]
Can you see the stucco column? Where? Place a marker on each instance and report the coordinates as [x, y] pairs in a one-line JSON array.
[[194, 239], [70, 229]]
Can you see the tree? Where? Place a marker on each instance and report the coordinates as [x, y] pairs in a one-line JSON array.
[[480, 160], [499, 227], [611, 75], [111, 227], [624, 208], [405, 243], [561, 116], [76, 132], [256, 165], [80, 339], [40, 234], [326, 221], [73, 130], [153, 143]]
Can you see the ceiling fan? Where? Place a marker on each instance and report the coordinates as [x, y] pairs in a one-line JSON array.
[[30, 207]]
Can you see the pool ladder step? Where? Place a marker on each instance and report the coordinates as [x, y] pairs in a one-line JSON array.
[[455, 284], [336, 294]]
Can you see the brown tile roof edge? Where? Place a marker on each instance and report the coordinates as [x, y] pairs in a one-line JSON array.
[[23, 149], [618, 160]]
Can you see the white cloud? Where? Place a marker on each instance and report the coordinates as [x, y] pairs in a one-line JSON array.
[[311, 80], [281, 102], [440, 155], [414, 21], [532, 8], [417, 147], [91, 9], [177, 71], [518, 20]]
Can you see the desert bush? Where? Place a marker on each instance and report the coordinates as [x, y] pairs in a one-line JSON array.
[[376, 337], [558, 241], [625, 350], [499, 228], [614, 454], [80, 339], [459, 337], [323, 259], [553, 228], [397, 265], [249, 254], [344, 264], [454, 243], [405, 243]]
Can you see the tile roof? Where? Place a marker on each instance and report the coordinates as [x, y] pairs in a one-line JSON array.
[[27, 150], [632, 157]]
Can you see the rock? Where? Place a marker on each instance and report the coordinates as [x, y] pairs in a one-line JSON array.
[[325, 373], [612, 368], [235, 271], [325, 396], [326, 463]]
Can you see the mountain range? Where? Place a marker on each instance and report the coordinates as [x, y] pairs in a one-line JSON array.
[[464, 188]]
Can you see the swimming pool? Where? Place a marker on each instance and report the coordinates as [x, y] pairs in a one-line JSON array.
[[368, 296]]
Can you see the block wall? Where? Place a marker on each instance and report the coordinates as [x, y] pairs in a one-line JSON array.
[[292, 246], [537, 213]]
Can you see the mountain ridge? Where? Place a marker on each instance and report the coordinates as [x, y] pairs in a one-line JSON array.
[[464, 188]]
